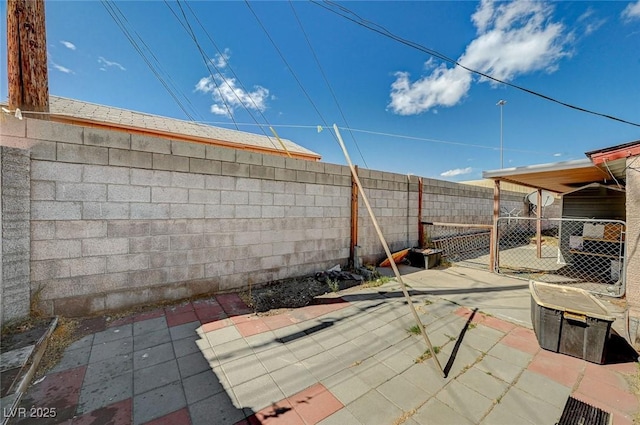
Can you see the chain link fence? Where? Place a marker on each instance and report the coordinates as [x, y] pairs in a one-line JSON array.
[[585, 253], [463, 244]]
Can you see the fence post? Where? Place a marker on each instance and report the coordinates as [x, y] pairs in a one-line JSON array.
[[354, 220], [493, 249], [420, 227], [539, 224]]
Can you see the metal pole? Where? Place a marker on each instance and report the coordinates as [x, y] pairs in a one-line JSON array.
[[388, 252], [501, 103]]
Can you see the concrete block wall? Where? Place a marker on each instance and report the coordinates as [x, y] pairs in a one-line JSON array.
[[394, 201], [119, 219], [14, 226], [633, 247]]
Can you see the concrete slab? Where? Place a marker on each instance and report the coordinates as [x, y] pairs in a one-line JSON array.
[[152, 355], [113, 334], [361, 357], [436, 412], [155, 376], [151, 339], [158, 402], [105, 392], [105, 350], [201, 386], [374, 408], [73, 358], [469, 403], [15, 358], [104, 370], [218, 406]]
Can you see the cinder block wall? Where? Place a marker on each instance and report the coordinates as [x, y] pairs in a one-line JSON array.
[[633, 247], [14, 225], [119, 219]]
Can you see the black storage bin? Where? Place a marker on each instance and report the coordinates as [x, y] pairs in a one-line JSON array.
[[426, 259], [570, 321]]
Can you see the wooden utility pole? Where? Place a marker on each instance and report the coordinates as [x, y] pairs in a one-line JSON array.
[[27, 56]]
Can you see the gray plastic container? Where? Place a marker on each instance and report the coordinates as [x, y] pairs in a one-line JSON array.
[[570, 321]]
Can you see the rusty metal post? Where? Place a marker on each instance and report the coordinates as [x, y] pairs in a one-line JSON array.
[[28, 81], [354, 220], [420, 226]]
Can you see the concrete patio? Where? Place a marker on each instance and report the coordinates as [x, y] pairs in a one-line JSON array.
[[348, 359]]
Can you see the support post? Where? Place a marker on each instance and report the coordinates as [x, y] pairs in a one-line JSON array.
[[388, 252], [493, 249], [420, 226], [28, 82], [539, 224], [354, 220]]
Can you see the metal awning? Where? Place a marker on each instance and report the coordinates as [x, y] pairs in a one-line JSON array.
[[561, 177]]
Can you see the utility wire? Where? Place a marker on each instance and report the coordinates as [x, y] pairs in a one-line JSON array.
[[344, 12], [121, 21], [393, 135], [207, 63], [275, 46], [238, 79], [326, 80]]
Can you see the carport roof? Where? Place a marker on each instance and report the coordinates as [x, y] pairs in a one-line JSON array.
[[560, 177]]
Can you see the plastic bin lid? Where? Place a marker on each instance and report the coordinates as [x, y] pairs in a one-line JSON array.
[[573, 300]]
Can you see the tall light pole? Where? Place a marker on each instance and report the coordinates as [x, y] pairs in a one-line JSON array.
[[501, 103]]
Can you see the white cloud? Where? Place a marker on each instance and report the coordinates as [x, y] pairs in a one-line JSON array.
[[632, 11], [61, 68], [228, 95], [106, 63], [557, 154], [590, 22], [513, 39], [457, 172], [68, 44], [220, 61]]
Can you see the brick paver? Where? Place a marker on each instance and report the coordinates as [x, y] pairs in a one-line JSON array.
[[343, 360]]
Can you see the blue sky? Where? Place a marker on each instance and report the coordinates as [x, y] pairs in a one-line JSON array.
[[414, 112]]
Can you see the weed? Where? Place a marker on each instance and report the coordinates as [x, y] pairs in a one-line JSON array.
[[378, 282], [333, 285], [64, 334], [451, 338], [415, 330], [356, 363], [405, 415], [35, 309], [472, 326], [428, 302], [427, 355], [499, 399]]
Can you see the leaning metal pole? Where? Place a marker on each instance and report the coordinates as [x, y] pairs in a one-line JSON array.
[[388, 252]]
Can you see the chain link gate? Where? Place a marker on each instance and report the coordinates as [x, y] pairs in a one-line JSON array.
[[462, 244], [585, 253]]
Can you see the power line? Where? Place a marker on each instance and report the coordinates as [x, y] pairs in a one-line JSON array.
[[326, 80], [121, 21], [224, 79], [189, 30], [275, 46], [392, 135], [386, 33]]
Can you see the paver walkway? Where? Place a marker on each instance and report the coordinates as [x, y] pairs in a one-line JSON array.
[[347, 360]]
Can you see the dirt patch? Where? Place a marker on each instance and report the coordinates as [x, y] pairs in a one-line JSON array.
[[297, 292]]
